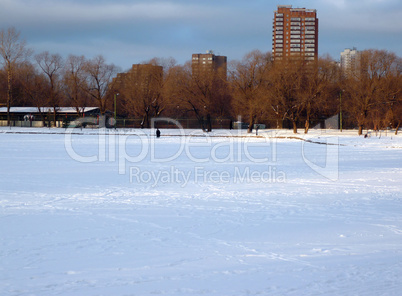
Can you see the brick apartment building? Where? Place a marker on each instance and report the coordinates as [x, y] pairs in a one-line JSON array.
[[139, 75], [295, 33], [208, 63]]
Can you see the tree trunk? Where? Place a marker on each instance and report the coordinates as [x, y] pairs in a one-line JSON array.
[[102, 105], [145, 119], [54, 116], [200, 120], [307, 125], [251, 124], [294, 126], [360, 132], [209, 123], [8, 113], [9, 93], [279, 123]]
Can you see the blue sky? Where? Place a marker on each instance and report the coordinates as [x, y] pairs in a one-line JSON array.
[[127, 32]]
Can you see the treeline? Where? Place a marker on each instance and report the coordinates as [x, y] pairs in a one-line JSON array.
[[256, 88]]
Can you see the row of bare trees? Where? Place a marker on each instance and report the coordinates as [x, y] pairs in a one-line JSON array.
[[256, 88], [292, 91], [370, 97], [373, 93], [48, 80]]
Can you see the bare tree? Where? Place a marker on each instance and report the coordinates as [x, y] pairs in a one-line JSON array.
[[52, 65], [316, 86], [140, 90], [249, 84], [398, 96], [12, 50], [396, 114], [200, 95], [74, 83], [186, 93], [36, 87], [177, 81], [368, 86], [163, 101], [205, 95], [99, 79], [285, 82]]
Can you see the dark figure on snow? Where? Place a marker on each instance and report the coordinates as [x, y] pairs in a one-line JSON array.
[[158, 133]]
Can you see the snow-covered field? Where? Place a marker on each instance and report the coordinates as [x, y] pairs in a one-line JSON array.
[[104, 212]]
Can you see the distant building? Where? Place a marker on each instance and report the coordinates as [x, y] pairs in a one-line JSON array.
[[295, 33], [139, 74], [208, 63], [137, 87], [350, 61]]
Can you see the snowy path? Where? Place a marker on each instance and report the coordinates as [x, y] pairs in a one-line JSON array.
[[235, 226]]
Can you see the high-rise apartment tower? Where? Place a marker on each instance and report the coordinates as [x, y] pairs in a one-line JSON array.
[[350, 61], [295, 33]]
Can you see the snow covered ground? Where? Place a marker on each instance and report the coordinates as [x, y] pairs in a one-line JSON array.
[[105, 212]]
